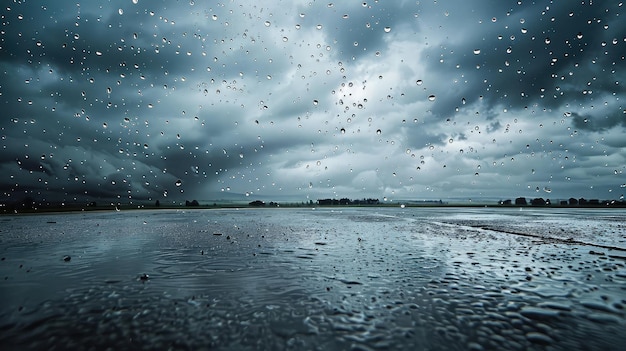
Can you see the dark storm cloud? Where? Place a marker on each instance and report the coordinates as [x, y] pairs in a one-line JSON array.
[[534, 55], [598, 122]]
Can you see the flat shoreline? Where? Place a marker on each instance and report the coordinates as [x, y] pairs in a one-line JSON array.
[[109, 208]]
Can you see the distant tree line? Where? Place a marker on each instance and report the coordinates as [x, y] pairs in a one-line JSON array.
[[259, 203], [192, 203], [345, 201], [320, 202], [571, 202]]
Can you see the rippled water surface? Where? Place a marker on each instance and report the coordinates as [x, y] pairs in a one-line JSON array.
[[354, 278]]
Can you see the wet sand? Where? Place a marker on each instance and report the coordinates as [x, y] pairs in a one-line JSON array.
[[355, 278]]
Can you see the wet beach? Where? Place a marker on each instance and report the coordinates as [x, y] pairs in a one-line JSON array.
[[315, 279]]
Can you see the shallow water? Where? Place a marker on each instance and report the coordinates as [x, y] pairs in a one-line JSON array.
[[356, 278]]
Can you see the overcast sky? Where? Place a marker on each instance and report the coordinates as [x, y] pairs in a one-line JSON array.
[[140, 100]]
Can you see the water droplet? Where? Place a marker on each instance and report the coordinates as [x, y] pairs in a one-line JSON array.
[[431, 98], [419, 82], [120, 11], [387, 29], [476, 51], [178, 183], [378, 131]]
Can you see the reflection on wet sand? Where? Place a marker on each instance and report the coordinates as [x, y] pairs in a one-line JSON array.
[[352, 279]]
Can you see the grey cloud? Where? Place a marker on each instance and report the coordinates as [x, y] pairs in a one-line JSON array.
[[357, 29], [598, 123], [547, 64]]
